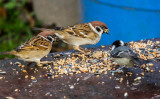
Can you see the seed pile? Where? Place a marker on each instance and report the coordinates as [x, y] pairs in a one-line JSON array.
[[98, 62], [146, 50]]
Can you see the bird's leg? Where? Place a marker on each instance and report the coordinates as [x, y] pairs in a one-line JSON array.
[[39, 64], [118, 70], [75, 47], [85, 50], [42, 63]]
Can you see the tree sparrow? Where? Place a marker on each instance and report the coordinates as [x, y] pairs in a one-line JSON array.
[[124, 56], [34, 49], [81, 34]]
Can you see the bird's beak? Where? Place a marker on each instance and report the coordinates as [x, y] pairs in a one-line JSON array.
[[106, 31]]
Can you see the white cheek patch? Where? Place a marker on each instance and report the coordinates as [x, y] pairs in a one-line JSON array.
[[122, 43], [113, 47], [99, 33]]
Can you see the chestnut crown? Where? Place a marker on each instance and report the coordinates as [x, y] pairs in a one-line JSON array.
[[100, 26]]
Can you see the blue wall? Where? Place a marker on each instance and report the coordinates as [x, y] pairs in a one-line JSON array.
[[127, 20]]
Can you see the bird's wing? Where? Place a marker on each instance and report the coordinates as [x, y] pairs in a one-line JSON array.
[[80, 30], [124, 52], [121, 54], [35, 43]]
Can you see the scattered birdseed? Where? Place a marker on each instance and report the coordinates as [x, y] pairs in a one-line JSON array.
[[97, 76], [9, 98], [47, 94], [136, 83], [121, 79], [105, 72], [138, 78], [18, 63], [24, 71], [97, 54], [64, 97], [151, 71], [147, 69], [133, 88], [45, 68], [48, 74], [125, 94], [33, 78], [102, 46], [117, 87], [16, 90], [56, 76], [11, 63], [142, 74], [87, 77], [26, 76], [23, 66], [150, 64], [1, 77], [97, 62], [71, 86], [3, 72]]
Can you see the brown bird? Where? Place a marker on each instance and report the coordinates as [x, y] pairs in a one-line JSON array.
[[34, 49], [80, 34]]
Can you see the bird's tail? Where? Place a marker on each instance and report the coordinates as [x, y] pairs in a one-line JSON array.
[[139, 61], [43, 29], [9, 52]]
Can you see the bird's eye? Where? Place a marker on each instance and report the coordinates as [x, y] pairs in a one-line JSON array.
[[98, 29]]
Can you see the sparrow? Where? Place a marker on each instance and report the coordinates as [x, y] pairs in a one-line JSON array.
[[34, 49], [124, 56], [80, 34]]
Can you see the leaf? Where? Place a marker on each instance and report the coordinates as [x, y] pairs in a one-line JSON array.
[[10, 5]]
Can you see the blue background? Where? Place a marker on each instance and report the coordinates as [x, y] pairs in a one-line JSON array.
[[127, 20]]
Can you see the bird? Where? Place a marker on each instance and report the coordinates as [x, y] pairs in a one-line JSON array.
[[34, 49], [124, 56], [80, 34]]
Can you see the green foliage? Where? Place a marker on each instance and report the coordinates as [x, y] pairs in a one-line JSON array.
[[14, 29]]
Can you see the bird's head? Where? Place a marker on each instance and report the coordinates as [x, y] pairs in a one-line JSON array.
[[99, 27], [117, 43], [49, 35]]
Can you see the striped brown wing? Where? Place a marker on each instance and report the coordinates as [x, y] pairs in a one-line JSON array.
[[80, 30], [36, 43]]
